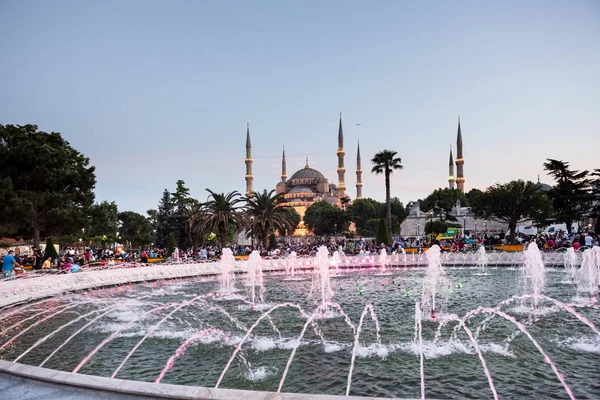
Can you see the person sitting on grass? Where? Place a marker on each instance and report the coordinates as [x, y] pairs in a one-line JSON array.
[[8, 263]]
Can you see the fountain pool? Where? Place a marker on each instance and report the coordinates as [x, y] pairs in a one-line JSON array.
[[185, 331]]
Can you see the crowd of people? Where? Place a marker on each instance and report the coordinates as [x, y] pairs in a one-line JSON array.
[[73, 259]]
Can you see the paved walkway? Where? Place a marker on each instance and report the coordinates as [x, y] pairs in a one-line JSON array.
[[17, 388]]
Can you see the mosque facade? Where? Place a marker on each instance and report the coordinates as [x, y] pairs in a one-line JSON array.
[[308, 185]]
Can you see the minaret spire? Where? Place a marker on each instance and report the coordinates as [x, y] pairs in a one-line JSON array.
[[359, 184], [451, 178], [341, 170], [283, 168], [248, 160], [460, 161]]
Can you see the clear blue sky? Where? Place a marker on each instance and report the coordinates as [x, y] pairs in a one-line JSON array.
[[155, 91]]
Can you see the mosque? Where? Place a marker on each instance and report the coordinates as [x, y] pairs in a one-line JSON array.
[[308, 186]]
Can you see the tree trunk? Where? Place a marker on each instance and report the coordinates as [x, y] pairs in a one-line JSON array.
[[569, 226], [388, 202], [36, 236], [223, 236], [513, 231]]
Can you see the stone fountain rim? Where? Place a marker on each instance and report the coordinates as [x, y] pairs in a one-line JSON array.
[[155, 390]]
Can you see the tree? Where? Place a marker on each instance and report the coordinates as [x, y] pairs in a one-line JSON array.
[[383, 236], [570, 196], [442, 201], [595, 196], [295, 220], [218, 214], [265, 215], [135, 228], [104, 219], [272, 242], [164, 220], [152, 215], [181, 202], [364, 210], [49, 183], [472, 196], [436, 227], [385, 162], [345, 202], [326, 219], [512, 202], [50, 251], [171, 245]]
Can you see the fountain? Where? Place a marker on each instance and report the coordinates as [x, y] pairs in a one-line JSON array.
[[570, 262], [321, 283], [335, 262], [434, 281], [227, 271], [290, 264], [173, 320], [254, 277], [587, 278], [534, 272], [482, 260], [383, 261]]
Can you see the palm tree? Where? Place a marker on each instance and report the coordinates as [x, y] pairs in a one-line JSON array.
[[385, 162], [218, 214], [267, 215]]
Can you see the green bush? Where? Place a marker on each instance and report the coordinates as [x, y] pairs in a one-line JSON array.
[[50, 251], [383, 236], [172, 245]]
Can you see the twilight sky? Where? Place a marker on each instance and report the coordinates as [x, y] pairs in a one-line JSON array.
[[155, 91]]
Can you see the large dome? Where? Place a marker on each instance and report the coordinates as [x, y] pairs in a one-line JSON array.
[[307, 173]]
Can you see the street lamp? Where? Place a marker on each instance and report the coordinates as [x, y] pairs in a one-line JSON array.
[[475, 226], [418, 226], [464, 224], [431, 224], [485, 225]]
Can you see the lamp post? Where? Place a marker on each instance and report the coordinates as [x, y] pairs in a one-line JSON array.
[[485, 225], [418, 227], [431, 225], [475, 227], [464, 224]]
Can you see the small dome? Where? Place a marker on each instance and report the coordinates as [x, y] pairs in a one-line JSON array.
[[307, 173], [544, 186], [301, 189]]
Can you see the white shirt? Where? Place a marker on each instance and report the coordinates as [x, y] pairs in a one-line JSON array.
[[588, 240]]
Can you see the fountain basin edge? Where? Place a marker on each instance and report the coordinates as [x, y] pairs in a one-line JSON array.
[[154, 390]]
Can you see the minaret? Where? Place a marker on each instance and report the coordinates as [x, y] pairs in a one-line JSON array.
[[359, 184], [248, 160], [460, 161], [341, 187], [451, 178], [283, 168]]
